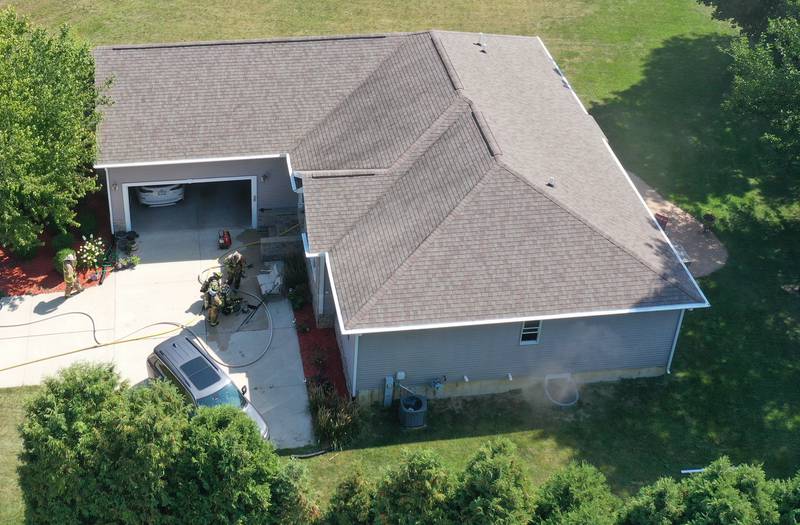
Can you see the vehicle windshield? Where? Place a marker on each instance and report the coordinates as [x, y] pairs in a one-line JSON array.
[[227, 395]]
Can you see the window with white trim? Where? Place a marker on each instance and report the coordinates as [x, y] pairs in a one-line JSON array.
[[529, 334]]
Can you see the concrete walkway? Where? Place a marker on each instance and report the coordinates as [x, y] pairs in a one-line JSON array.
[[705, 252], [163, 288]]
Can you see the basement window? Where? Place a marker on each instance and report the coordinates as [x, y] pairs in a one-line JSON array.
[[529, 335]]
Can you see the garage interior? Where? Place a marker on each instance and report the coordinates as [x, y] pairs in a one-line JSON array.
[[224, 204]]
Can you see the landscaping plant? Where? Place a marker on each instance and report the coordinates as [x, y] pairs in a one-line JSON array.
[[418, 490], [58, 260], [96, 451], [63, 240], [91, 253], [336, 419], [493, 488], [352, 502], [48, 111], [578, 494]]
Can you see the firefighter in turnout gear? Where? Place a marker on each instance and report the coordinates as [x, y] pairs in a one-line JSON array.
[[73, 285], [234, 268], [212, 298]]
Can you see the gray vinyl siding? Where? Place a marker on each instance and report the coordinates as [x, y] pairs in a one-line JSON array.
[[347, 346], [640, 340], [275, 192]]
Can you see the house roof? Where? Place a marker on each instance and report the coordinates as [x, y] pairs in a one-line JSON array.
[[448, 182]]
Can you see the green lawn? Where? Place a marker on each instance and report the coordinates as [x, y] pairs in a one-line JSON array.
[[653, 77], [11, 403]]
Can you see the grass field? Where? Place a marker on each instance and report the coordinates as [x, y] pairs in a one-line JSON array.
[[653, 76], [11, 408]]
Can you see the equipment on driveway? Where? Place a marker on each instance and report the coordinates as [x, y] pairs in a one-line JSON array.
[[224, 240]]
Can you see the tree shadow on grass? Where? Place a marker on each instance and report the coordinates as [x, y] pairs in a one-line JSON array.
[[734, 388]]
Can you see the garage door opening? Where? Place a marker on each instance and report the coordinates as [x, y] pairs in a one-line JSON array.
[[202, 205]]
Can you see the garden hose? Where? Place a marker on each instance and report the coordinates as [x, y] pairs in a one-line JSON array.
[[91, 319], [125, 339], [128, 339]]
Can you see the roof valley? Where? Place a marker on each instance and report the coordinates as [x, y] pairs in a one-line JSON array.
[[429, 238]]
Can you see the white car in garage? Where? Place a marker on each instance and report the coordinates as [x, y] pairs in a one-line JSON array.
[[166, 195]]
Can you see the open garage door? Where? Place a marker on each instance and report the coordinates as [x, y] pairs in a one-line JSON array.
[[201, 204]]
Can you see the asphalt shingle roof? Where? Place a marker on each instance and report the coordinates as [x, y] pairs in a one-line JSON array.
[[426, 162]]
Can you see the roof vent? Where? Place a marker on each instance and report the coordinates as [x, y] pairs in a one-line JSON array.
[[551, 182]]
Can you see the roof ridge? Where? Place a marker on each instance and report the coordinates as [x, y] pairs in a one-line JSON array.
[[450, 114], [578, 216], [397, 169], [411, 256], [300, 39]]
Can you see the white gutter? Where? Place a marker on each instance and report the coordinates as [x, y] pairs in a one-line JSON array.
[[192, 161], [501, 320], [355, 367], [675, 342]]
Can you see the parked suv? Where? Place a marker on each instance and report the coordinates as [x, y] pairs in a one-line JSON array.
[[189, 367]]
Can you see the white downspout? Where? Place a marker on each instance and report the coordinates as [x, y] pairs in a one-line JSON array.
[[355, 367], [675, 342], [321, 285], [108, 193]]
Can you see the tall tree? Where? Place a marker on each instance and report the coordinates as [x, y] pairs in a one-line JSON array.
[[765, 91], [48, 115], [96, 451], [753, 15]]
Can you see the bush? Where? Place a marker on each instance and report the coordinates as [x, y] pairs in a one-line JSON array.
[[298, 296], [493, 487], [87, 223], [661, 503], [294, 271], [96, 451], [352, 502], [419, 490], [787, 496], [726, 494], [336, 419], [58, 260], [27, 252], [55, 475], [578, 494], [63, 240]]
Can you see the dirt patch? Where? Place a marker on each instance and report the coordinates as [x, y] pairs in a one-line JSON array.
[[704, 253]]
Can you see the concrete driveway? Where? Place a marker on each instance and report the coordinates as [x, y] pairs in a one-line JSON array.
[[164, 287]]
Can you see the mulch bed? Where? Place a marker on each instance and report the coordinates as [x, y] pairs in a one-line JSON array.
[[37, 275], [319, 350]]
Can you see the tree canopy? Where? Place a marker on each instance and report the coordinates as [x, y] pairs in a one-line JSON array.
[[96, 451], [753, 15], [765, 91], [48, 116]]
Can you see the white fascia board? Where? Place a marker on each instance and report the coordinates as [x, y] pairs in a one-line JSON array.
[[563, 76], [482, 322], [190, 161], [627, 177], [339, 318], [653, 218]]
